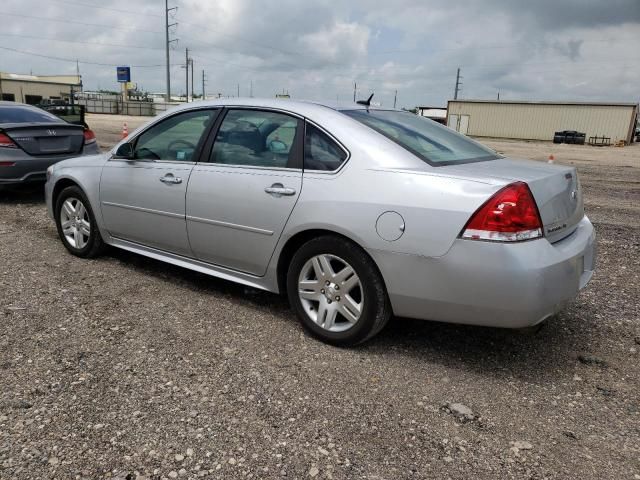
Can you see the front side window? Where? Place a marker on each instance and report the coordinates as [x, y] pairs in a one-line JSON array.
[[435, 144], [258, 139], [175, 138], [320, 151]]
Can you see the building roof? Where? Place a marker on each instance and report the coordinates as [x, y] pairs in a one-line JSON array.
[[74, 80], [534, 102]]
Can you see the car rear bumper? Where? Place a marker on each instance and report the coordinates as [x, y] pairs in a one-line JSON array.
[[491, 284], [32, 169]]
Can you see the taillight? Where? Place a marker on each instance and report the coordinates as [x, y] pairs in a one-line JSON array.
[[6, 142], [89, 136], [510, 215]]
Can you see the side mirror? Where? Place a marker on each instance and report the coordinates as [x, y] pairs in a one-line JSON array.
[[125, 151]]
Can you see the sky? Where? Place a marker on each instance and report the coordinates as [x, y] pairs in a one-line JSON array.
[[317, 49]]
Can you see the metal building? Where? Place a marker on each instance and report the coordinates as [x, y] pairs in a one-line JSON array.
[[539, 120], [33, 89]]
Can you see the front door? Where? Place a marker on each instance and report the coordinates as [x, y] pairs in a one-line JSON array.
[[143, 200], [239, 201]]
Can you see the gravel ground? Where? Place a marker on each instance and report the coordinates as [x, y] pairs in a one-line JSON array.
[[125, 367]]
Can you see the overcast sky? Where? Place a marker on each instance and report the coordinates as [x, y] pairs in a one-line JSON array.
[[525, 49]]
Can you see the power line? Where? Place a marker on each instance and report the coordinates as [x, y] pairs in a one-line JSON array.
[[74, 60], [69, 2], [65, 20], [99, 44]]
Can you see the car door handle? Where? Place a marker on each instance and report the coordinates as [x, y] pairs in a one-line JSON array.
[[170, 179], [277, 190]]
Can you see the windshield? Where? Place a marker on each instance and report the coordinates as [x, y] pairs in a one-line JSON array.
[[435, 144], [20, 114]]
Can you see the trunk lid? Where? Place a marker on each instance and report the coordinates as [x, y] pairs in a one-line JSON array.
[[555, 188], [46, 138]]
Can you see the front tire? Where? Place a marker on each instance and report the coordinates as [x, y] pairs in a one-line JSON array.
[[337, 292], [76, 224]]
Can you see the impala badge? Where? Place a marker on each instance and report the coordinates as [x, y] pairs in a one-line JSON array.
[[52, 133]]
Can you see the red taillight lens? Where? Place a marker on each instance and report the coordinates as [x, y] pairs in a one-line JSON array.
[[510, 215], [6, 142], [89, 136]]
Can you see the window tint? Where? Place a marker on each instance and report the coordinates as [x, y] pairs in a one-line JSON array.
[[175, 138], [428, 140], [320, 152], [20, 114], [255, 138]]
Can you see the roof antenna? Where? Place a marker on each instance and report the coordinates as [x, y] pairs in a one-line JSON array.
[[366, 102]]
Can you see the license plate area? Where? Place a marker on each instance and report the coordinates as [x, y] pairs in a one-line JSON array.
[[54, 145]]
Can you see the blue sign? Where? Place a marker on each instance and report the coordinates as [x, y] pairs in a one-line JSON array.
[[124, 74]]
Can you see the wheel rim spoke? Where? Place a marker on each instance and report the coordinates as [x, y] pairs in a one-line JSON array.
[[350, 309], [69, 209], [85, 228], [330, 318]]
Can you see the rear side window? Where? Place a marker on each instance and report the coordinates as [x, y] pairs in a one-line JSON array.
[[257, 138], [433, 143], [19, 114], [320, 151]]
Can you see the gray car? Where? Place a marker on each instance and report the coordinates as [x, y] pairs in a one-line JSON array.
[[356, 213], [31, 140]]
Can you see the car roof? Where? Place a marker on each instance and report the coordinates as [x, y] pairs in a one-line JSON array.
[[300, 106]]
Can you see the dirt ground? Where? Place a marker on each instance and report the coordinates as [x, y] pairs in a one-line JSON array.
[[125, 367]]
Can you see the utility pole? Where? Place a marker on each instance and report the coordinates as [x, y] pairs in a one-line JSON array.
[[251, 89], [395, 99], [355, 87], [458, 85], [193, 90], [238, 90], [167, 25], [204, 95], [186, 69]]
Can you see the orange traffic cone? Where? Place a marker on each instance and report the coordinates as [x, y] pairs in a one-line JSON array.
[[125, 130], [551, 158]]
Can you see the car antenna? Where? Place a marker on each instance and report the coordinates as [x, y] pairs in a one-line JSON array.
[[366, 102]]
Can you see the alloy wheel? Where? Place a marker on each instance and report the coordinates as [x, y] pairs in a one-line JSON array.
[[76, 226], [331, 292]]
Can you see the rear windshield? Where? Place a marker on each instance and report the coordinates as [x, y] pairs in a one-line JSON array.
[[20, 114], [435, 144]]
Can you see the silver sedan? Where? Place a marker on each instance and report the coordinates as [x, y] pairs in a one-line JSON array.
[[356, 213]]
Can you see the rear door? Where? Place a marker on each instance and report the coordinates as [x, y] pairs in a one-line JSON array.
[[239, 200], [143, 200]]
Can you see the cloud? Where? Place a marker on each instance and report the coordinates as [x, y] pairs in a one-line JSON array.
[[572, 49]]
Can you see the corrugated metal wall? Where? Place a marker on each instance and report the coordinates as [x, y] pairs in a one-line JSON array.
[[539, 121]]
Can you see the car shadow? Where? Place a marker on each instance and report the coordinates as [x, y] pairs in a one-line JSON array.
[[28, 194], [536, 356]]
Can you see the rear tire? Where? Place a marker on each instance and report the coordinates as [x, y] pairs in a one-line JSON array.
[[337, 292], [77, 225]]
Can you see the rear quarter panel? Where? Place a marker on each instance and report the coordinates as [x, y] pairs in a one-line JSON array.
[[434, 207]]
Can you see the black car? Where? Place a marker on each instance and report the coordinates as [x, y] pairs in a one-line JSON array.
[[31, 139]]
